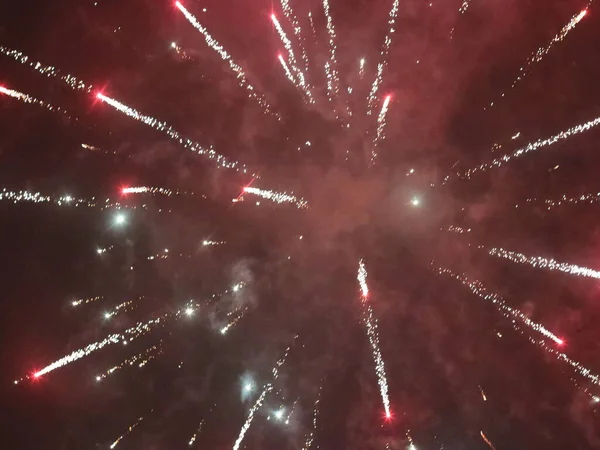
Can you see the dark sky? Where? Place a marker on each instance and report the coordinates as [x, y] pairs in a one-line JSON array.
[[442, 346]]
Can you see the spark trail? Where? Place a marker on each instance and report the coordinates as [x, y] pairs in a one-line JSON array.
[[333, 81], [310, 437], [141, 359], [235, 67], [381, 122], [150, 190], [465, 5], [289, 14], [286, 69], [198, 430], [487, 441], [588, 199], [298, 73], [539, 54], [384, 57], [477, 288], [85, 301], [165, 128], [278, 197], [129, 430], [49, 71], [28, 99], [371, 324], [531, 147], [544, 263]]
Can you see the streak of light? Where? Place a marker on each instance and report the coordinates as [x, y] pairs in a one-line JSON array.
[[544, 263], [235, 67], [310, 437], [180, 52], [278, 197], [165, 128], [25, 98], [85, 301], [371, 325], [195, 435], [564, 200], [207, 243], [148, 190], [487, 441], [483, 396], [331, 73], [381, 123], [141, 359], [384, 56], [289, 14], [129, 430], [286, 69]]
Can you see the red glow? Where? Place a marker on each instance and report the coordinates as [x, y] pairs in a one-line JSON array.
[[561, 342], [178, 4], [389, 416], [273, 18], [36, 375], [124, 190], [99, 95]]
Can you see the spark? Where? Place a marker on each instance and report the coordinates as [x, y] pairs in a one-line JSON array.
[[371, 325], [361, 67], [207, 243], [465, 5], [381, 122], [85, 301], [163, 127], [129, 430], [589, 199], [123, 307], [415, 202], [279, 413], [141, 359], [90, 147], [298, 74], [459, 230], [483, 396], [544, 263], [487, 441], [120, 219], [539, 54], [238, 316], [288, 74], [32, 101], [278, 197], [180, 52], [289, 14], [237, 69], [193, 438], [148, 190], [49, 71], [478, 289], [310, 437], [531, 147], [384, 56], [189, 311], [331, 66], [131, 333]]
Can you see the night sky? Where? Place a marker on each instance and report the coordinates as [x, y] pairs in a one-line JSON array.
[[462, 373]]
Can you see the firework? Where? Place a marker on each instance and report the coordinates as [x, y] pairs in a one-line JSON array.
[[381, 122], [193, 438], [165, 128], [531, 147], [235, 67], [539, 54], [129, 430], [33, 101], [289, 14], [286, 69], [371, 324], [477, 288], [152, 190], [361, 67], [331, 66], [310, 437], [237, 316], [459, 230], [180, 52], [49, 71], [465, 5], [141, 359], [278, 197], [384, 56], [206, 243], [483, 396], [298, 74], [122, 307], [487, 441], [85, 301], [544, 263], [587, 199]]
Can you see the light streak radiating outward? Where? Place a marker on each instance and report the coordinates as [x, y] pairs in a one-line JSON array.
[[237, 69], [126, 336], [206, 243], [361, 67], [286, 69], [141, 359], [49, 71], [170, 132], [483, 396], [278, 197], [129, 430], [487, 441], [384, 57], [123, 307], [531, 147], [180, 52], [85, 301], [477, 288], [298, 73], [539, 54], [588, 199], [25, 98], [371, 324], [333, 81], [237, 316], [151, 190], [310, 437], [289, 14], [198, 430], [381, 122], [259, 401], [544, 263]]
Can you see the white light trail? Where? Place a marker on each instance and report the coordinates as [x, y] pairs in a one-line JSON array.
[[129, 430], [278, 197], [381, 123], [331, 73], [25, 98]]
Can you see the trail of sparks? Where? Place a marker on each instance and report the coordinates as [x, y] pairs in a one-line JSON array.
[[588, 199], [331, 73], [198, 430], [238, 314], [213, 243], [459, 230], [310, 437], [384, 56], [465, 5], [371, 324], [544, 263], [278, 197], [170, 132], [381, 123], [289, 14], [298, 74], [286, 69], [129, 430], [483, 396], [49, 71], [124, 337], [487, 441], [361, 67], [151, 190], [25, 98], [237, 69], [85, 301], [539, 54], [478, 289], [122, 307], [531, 147], [181, 52], [141, 359]]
